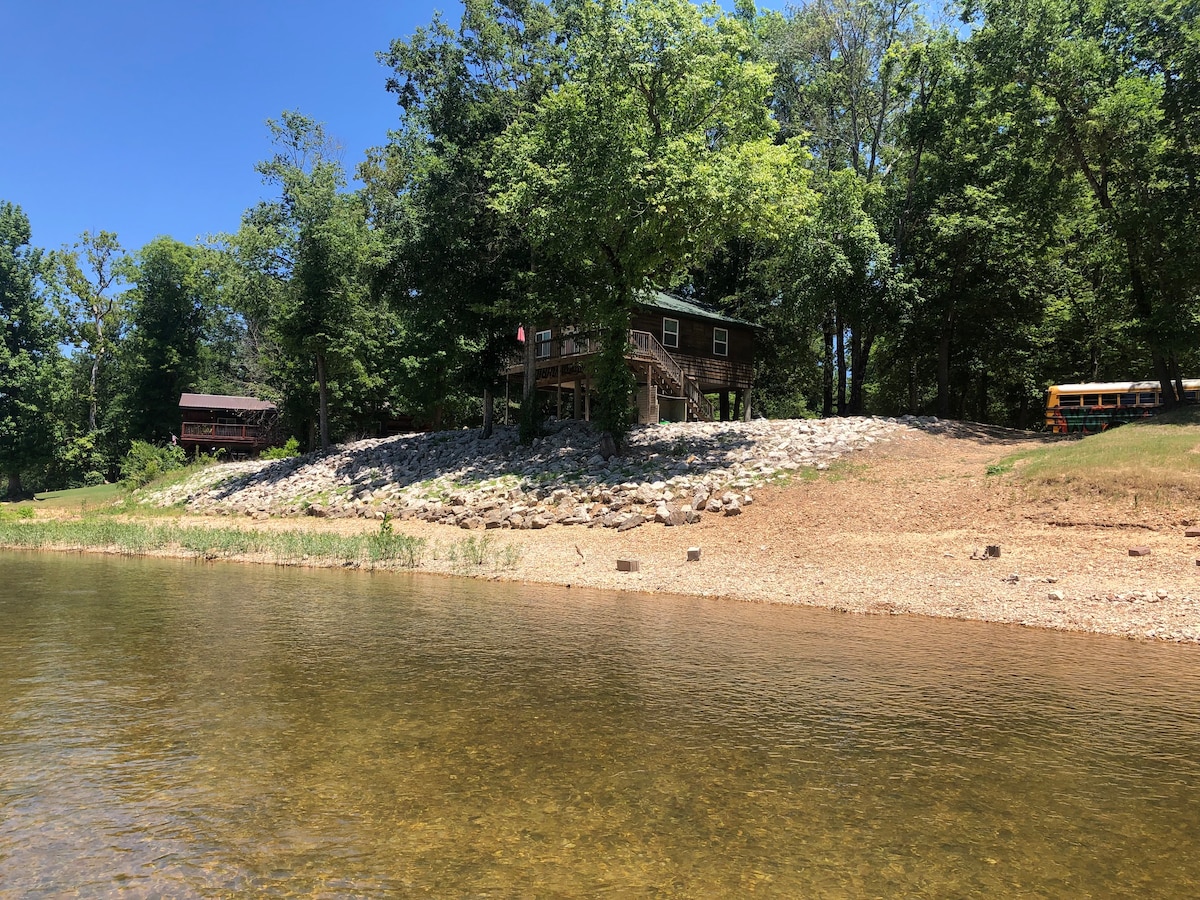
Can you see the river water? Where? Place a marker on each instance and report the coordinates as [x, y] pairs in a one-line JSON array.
[[186, 729]]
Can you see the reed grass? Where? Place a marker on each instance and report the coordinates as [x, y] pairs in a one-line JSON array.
[[385, 549]]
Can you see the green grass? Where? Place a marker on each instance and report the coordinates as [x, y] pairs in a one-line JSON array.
[[1157, 461], [74, 499], [384, 549]]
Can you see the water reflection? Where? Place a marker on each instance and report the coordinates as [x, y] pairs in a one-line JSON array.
[[198, 730]]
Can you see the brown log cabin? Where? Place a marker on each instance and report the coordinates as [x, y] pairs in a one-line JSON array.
[[679, 351], [238, 425]]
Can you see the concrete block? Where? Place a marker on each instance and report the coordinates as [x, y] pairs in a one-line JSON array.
[[693, 554], [1192, 532], [1139, 551], [629, 565]]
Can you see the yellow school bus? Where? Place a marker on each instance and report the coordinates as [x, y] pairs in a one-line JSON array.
[[1097, 406]]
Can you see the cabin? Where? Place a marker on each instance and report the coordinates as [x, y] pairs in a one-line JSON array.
[[239, 425], [680, 351]]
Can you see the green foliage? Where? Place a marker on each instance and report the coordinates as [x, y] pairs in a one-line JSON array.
[[30, 366], [657, 148], [290, 448], [302, 266], [95, 310], [614, 385], [174, 306], [144, 462]]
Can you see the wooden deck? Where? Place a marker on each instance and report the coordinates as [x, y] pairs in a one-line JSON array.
[[562, 362]]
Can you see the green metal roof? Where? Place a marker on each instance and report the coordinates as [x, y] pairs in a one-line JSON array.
[[669, 303]]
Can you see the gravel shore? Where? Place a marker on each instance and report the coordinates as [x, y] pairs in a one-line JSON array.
[[889, 517]]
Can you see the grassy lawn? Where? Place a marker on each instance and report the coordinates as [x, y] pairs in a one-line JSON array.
[[74, 499], [1157, 461]]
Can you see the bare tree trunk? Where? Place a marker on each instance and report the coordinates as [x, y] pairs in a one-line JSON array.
[[323, 409], [14, 485], [827, 372], [841, 364], [92, 392], [489, 411]]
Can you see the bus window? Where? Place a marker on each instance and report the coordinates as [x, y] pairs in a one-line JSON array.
[[1068, 399], [1129, 399], [1189, 396], [1108, 400], [1146, 399], [1091, 399]]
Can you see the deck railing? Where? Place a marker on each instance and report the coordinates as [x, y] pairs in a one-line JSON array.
[[646, 346], [214, 431]]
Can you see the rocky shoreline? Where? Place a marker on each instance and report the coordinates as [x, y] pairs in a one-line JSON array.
[[672, 474]]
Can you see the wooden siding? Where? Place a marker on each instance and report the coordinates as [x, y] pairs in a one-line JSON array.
[[695, 351]]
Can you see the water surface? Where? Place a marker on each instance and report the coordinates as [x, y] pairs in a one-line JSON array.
[[190, 729]]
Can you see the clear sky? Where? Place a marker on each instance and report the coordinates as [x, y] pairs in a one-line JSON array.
[[146, 117]]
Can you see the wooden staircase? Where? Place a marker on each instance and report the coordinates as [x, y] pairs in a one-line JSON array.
[[669, 376]]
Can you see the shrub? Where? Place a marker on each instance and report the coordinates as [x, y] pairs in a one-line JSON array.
[[290, 448], [144, 462]]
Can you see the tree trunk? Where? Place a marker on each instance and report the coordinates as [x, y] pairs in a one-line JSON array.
[[724, 400], [14, 485], [860, 355], [841, 364], [323, 408], [943, 369], [92, 392], [489, 408], [746, 404], [827, 372]]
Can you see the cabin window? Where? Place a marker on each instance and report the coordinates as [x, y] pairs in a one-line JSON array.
[[720, 342], [542, 343], [670, 332]]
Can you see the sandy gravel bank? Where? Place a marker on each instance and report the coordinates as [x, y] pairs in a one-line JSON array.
[[892, 530]]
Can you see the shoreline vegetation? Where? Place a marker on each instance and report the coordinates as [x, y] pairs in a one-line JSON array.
[[896, 525]]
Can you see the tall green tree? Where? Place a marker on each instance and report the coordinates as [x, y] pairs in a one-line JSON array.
[[1105, 91], [29, 355], [173, 303], [658, 147], [305, 261], [460, 272], [92, 273]]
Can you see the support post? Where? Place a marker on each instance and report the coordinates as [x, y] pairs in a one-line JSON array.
[[746, 401]]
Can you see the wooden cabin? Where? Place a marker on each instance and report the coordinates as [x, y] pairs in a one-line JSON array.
[[681, 353], [238, 425]]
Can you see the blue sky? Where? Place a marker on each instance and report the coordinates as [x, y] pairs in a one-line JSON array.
[[146, 117]]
